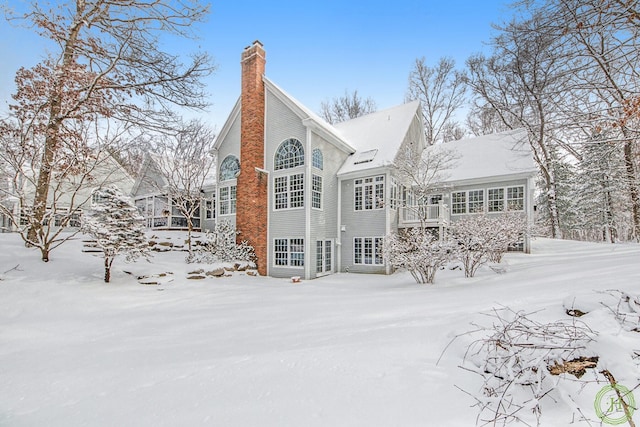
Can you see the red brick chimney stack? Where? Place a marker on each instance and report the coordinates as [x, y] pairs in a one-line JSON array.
[[251, 213]]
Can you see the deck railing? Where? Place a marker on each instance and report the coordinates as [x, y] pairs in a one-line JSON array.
[[434, 215]]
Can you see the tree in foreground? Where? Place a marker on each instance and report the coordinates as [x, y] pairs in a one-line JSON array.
[[220, 245], [347, 107], [419, 252], [117, 226], [105, 63]]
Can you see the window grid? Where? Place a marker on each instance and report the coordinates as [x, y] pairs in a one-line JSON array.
[[289, 191], [476, 201], [289, 252], [459, 202], [495, 199], [515, 198], [289, 154], [319, 263], [368, 251], [317, 159], [369, 193], [316, 192], [229, 168], [227, 200]]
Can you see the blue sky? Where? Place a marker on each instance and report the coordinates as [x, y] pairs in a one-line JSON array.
[[315, 50]]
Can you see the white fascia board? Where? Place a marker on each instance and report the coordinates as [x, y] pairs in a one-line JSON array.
[[364, 173], [491, 179]]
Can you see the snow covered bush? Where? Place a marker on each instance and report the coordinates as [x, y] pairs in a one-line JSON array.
[[117, 226], [419, 252], [483, 238], [220, 244]]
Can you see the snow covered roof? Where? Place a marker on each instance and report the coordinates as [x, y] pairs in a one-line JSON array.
[[490, 156], [377, 137]]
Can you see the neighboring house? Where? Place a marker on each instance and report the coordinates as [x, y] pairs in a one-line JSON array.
[[315, 199], [66, 197], [153, 198]]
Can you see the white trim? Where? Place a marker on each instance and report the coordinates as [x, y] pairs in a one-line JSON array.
[[373, 253], [307, 205], [289, 266]]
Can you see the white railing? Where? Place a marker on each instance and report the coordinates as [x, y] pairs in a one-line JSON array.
[[423, 215]]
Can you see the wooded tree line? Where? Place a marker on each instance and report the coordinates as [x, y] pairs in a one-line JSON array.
[[567, 72]]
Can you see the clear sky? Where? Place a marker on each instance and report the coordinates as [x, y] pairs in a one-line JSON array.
[[315, 49]]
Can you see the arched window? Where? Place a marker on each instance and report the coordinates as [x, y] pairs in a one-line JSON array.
[[229, 168], [289, 154], [317, 158]]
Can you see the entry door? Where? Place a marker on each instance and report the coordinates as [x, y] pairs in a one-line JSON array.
[[324, 257]]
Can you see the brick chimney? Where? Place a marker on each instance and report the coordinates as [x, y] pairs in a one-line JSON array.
[[252, 184]]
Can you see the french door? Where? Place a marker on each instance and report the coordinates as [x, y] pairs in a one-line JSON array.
[[324, 257]]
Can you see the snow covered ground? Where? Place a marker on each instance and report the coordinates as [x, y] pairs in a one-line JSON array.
[[343, 350]]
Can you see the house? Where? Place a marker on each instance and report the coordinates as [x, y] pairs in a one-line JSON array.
[[67, 197], [314, 198], [152, 197]]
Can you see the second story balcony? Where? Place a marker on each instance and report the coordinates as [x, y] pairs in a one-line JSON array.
[[435, 215]]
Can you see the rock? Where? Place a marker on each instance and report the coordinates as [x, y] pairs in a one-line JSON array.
[[218, 272], [227, 268], [252, 273], [200, 271], [196, 277]]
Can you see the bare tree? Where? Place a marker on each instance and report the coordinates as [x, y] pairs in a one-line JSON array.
[[105, 63], [520, 84], [185, 163], [76, 171], [441, 92], [349, 106], [604, 41]]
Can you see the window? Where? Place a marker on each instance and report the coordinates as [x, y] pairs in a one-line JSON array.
[[227, 198], [289, 191], [210, 208], [289, 154], [316, 192], [289, 252], [495, 199], [471, 201], [515, 198], [229, 168], [369, 193], [459, 202], [476, 201], [367, 251], [317, 159]]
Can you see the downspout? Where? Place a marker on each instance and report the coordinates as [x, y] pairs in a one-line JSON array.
[[338, 248]]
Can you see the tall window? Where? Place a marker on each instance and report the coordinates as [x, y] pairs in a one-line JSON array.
[[495, 199], [227, 200], [289, 252], [369, 193], [289, 191], [289, 154], [476, 201], [459, 202], [367, 251], [515, 198], [210, 208], [229, 168], [316, 192], [317, 160]]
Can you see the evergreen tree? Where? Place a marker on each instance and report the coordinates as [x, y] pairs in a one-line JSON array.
[[115, 223]]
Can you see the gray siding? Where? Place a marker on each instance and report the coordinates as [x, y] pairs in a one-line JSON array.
[[281, 124], [359, 224]]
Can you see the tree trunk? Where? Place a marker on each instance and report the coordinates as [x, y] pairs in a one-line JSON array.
[[634, 194], [107, 269]]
